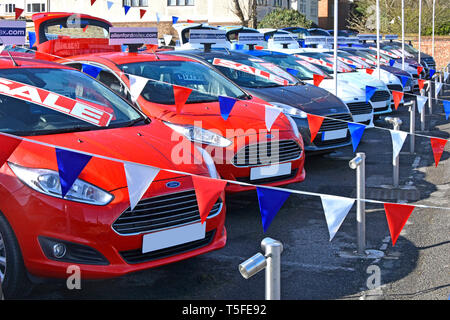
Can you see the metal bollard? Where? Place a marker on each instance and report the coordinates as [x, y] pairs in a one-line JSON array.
[[396, 122], [412, 126], [359, 164], [271, 262], [422, 115], [430, 98]]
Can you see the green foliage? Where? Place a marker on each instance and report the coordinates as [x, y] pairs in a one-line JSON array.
[[363, 17], [283, 18]]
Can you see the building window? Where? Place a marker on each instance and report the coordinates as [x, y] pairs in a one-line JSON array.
[[180, 2], [277, 3], [35, 7], [10, 8], [135, 3]]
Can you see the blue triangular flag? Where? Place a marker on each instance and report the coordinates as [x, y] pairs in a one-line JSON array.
[[32, 38], [70, 165], [226, 105], [158, 19], [110, 4], [270, 202], [292, 71], [404, 80], [447, 108], [391, 62], [123, 47], [93, 71], [127, 8], [357, 131], [370, 92], [174, 20], [60, 26], [432, 72]]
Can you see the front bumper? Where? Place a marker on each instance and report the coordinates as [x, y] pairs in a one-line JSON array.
[[90, 228]]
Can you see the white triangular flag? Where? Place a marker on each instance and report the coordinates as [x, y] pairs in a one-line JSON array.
[[137, 84], [139, 179], [398, 140], [421, 100], [336, 210], [445, 76], [272, 114], [438, 87], [168, 39]]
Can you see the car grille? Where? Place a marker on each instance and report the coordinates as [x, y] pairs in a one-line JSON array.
[[430, 62], [267, 153], [381, 96], [360, 108], [395, 87], [162, 212], [336, 122], [136, 256]]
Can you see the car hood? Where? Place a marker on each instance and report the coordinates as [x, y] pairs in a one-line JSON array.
[[308, 98], [148, 145], [246, 115]]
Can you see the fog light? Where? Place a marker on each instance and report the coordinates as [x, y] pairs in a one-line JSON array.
[[59, 250]]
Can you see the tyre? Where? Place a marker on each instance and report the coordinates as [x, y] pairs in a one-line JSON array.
[[13, 275]]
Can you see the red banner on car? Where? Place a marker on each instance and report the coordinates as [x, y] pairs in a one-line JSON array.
[[55, 102], [247, 69]]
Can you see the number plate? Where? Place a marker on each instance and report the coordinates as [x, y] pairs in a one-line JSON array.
[[270, 171], [334, 135], [173, 237]]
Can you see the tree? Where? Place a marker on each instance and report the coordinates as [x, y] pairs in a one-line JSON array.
[[246, 11], [363, 17], [283, 18]]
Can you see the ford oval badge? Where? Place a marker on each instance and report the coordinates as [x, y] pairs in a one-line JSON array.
[[173, 184]]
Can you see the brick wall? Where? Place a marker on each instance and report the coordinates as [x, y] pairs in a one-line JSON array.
[[441, 49]]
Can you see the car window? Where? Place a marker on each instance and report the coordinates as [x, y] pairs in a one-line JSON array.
[[27, 110], [207, 84]]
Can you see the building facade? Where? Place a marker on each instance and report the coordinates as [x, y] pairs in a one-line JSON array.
[[211, 11], [310, 8]]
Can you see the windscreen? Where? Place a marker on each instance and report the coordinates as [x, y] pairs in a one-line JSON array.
[[207, 84], [38, 101]]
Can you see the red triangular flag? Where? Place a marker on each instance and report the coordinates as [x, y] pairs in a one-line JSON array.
[[397, 215], [143, 12], [438, 146], [207, 191], [152, 47], [369, 71], [85, 28], [7, 147], [315, 122], [419, 70], [421, 83], [181, 96], [318, 79], [18, 12], [92, 2], [190, 21], [398, 96]]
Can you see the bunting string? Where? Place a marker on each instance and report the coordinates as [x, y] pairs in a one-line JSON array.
[[244, 184]]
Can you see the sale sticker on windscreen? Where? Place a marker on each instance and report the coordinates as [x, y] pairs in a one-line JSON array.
[[250, 70], [54, 101]]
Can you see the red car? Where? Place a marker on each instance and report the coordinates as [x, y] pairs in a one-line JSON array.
[[93, 227], [242, 147]]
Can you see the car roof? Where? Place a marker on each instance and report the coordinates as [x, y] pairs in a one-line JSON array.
[[127, 57], [7, 63], [213, 53]]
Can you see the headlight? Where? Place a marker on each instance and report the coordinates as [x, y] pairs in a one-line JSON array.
[[209, 163], [199, 135], [47, 182], [289, 110]]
